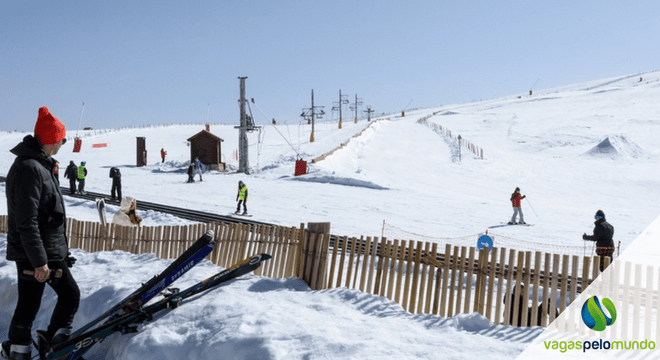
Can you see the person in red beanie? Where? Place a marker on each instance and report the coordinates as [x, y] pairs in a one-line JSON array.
[[36, 239]]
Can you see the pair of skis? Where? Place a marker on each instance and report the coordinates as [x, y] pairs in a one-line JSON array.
[[129, 313]]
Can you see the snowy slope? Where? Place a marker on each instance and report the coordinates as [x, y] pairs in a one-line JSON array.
[[399, 171]]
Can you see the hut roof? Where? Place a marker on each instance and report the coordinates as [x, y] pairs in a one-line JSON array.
[[205, 133]]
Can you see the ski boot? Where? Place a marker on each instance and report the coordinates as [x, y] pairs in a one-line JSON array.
[[16, 352]]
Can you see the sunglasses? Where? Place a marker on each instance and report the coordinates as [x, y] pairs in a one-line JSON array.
[[598, 217], [63, 141]]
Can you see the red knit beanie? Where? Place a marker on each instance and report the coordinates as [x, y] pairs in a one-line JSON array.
[[48, 129]]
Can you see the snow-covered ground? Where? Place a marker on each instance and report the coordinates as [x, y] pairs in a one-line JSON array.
[[571, 150]]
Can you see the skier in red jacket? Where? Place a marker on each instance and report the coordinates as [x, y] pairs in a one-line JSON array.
[[515, 202]]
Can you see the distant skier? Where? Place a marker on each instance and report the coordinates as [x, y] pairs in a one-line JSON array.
[[82, 174], [242, 198], [115, 174], [191, 173], [515, 202], [71, 173], [603, 236], [162, 154], [198, 168]]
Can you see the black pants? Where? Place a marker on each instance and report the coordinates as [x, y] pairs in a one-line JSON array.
[[30, 292], [238, 208], [72, 185], [116, 186]]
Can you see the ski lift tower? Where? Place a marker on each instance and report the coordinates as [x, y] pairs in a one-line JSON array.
[[247, 125], [369, 112], [355, 105], [337, 105], [312, 113]]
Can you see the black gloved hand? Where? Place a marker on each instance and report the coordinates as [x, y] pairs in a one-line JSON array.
[[584, 236], [69, 260]]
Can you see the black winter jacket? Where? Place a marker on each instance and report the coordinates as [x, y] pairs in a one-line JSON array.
[[36, 213], [603, 234], [71, 172]]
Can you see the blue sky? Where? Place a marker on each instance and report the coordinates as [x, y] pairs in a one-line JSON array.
[[145, 62]]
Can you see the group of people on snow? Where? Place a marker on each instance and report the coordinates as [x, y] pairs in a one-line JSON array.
[[76, 173], [37, 242], [603, 233]]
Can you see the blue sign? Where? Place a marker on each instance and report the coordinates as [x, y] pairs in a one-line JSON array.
[[485, 240]]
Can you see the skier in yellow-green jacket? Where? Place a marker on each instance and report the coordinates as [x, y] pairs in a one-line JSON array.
[[242, 198]]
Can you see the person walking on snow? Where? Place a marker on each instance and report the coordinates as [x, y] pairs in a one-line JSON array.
[[115, 174], [191, 173], [36, 239], [198, 168], [603, 236], [82, 174], [515, 202], [242, 197], [162, 154], [71, 173]]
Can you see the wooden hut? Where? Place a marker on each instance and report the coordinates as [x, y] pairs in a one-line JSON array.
[[207, 147]]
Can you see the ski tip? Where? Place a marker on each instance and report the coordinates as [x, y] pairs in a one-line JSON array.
[[265, 256], [209, 233]]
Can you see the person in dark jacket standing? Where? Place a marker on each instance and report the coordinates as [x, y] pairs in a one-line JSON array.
[[603, 236], [191, 173], [115, 174], [36, 238], [71, 173], [82, 174]]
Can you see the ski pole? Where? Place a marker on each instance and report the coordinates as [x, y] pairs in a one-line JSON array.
[[530, 205]]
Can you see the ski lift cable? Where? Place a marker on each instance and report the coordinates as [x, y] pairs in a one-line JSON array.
[[80, 120], [282, 135]]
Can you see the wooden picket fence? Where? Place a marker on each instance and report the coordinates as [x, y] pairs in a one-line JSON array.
[[417, 275], [423, 279], [234, 242]]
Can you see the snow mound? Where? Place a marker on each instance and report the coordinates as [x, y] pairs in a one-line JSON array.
[[471, 322], [329, 179], [617, 147]]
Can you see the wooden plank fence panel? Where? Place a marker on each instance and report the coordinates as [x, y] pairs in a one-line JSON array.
[[500, 284], [333, 262], [468, 281], [649, 303], [637, 296], [365, 265], [517, 291], [360, 245], [536, 282], [379, 284], [461, 266], [526, 288], [626, 297], [343, 241], [394, 250], [372, 266], [452, 283], [417, 256], [554, 284], [432, 273], [351, 257], [491, 284], [399, 276], [445, 282], [509, 287], [482, 272], [422, 281]]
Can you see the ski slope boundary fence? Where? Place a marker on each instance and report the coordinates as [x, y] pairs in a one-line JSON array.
[[422, 277]]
